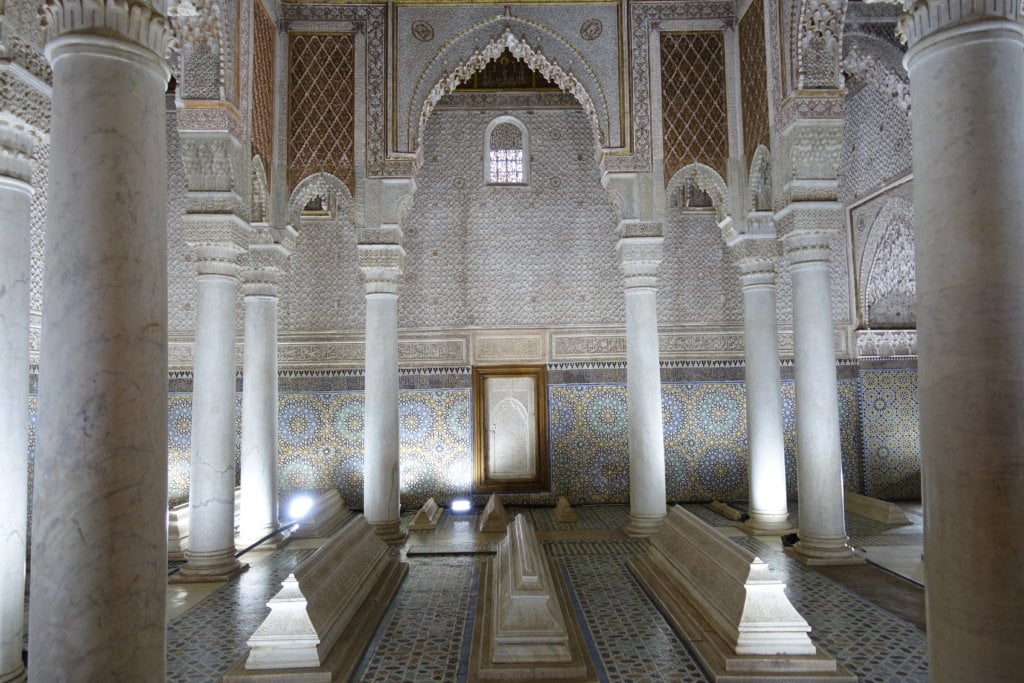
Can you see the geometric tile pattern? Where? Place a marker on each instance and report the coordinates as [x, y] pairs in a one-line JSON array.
[[753, 74], [421, 637], [693, 103], [891, 430], [630, 637], [321, 441], [705, 433], [321, 106], [208, 638]]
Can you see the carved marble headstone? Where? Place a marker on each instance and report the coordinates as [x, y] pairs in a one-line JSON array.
[[493, 518], [427, 517], [725, 602]]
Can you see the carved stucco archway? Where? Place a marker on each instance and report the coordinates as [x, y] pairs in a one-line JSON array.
[[708, 180], [318, 184], [759, 180], [260, 191], [576, 78]]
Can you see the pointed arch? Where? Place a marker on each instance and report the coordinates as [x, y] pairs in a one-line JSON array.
[[318, 185], [887, 268], [577, 78], [708, 180], [759, 180], [260, 191]]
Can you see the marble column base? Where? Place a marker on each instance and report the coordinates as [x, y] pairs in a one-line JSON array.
[[16, 676], [819, 553], [642, 526], [768, 525], [208, 567], [389, 532]]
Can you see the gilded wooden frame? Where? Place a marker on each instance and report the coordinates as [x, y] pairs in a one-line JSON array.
[[483, 482]]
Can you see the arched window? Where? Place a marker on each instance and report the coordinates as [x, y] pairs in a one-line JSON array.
[[507, 146]]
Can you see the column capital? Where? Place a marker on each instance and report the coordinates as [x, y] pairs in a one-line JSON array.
[[381, 265], [924, 18], [757, 257], [261, 281], [219, 241], [143, 22], [639, 258]]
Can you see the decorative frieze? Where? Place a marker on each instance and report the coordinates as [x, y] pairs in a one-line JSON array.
[[879, 77], [884, 343]]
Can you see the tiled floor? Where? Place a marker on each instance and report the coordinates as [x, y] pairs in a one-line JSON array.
[[425, 635]]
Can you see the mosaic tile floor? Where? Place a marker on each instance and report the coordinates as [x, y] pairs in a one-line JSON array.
[[425, 634]]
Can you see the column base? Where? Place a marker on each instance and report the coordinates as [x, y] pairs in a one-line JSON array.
[[768, 525], [390, 532], [821, 554], [16, 676], [643, 526], [208, 567]]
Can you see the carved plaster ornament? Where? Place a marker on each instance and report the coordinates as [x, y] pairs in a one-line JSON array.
[[882, 79]]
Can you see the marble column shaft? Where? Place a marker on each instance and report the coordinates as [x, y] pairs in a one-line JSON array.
[[259, 405], [756, 258], [99, 545], [211, 543], [15, 228], [819, 455], [639, 258], [967, 77], [382, 265]]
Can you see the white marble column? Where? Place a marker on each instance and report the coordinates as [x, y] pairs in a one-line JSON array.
[[99, 545], [260, 280], [639, 258], [756, 256], [806, 230], [15, 219], [967, 80], [381, 265], [211, 542]]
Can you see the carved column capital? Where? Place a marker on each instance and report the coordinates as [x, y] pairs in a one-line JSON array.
[[925, 18], [806, 230], [143, 22], [219, 241], [381, 265], [261, 281], [757, 257], [639, 258]]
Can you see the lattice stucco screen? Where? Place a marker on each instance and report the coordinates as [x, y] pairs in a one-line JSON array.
[[506, 154], [263, 87], [695, 118], [321, 106], [754, 78]]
